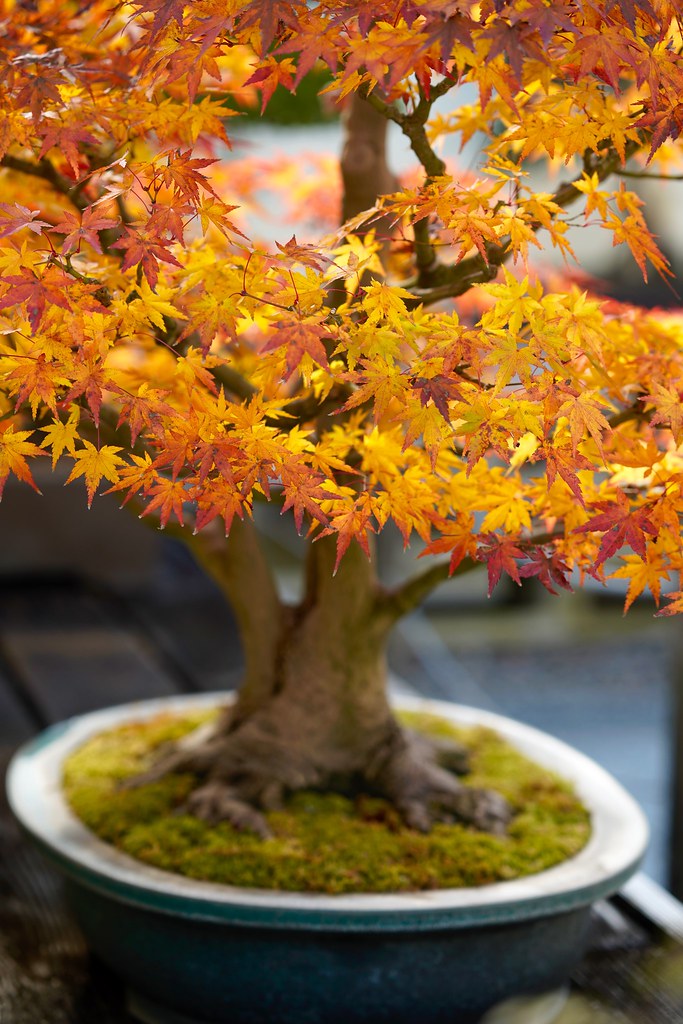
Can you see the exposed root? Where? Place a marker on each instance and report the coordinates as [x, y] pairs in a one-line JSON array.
[[215, 802], [242, 779], [410, 775]]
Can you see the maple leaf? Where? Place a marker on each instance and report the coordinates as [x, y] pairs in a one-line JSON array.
[[96, 464], [300, 337], [664, 123], [563, 461], [141, 409], [446, 28], [193, 370], [350, 524], [220, 455], [675, 606], [501, 555], [61, 436], [169, 497], [42, 87], [515, 41], [14, 449], [628, 9], [435, 433], [146, 250], [15, 217], [642, 573], [439, 389], [605, 51], [549, 19], [548, 567], [91, 382], [85, 228], [275, 72], [668, 403], [266, 16], [152, 306], [309, 45], [620, 525], [214, 211], [66, 139], [38, 381], [164, 12], [456, 537], [585, 417], [182, 172], [36, 292], [303, 493], [377, 382], [305, 253], [224, 501]]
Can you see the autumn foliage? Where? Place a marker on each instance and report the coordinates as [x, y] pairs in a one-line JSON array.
[[447, 380]]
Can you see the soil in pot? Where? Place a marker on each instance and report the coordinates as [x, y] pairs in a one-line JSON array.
[[328, 843]]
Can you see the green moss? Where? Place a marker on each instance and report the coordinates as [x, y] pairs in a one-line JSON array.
[[325, 842]]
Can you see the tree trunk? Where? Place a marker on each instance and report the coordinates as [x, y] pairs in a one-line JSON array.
[[314, 712]]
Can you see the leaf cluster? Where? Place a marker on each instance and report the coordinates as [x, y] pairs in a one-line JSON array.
[[496, 413]]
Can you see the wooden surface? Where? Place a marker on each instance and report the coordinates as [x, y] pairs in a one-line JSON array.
[[65, 648]]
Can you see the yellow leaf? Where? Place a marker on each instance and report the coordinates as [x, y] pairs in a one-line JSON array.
[[526, 447], [13, 451], [94, 464], [385, 302], [643, 574], [61, 436], [152, 307]]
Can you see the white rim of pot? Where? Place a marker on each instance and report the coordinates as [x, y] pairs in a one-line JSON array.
[[614, 851]]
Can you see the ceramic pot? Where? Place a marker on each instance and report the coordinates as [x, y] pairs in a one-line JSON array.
[[199, 953]]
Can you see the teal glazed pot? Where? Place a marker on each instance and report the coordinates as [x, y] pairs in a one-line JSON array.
[[199, 953]]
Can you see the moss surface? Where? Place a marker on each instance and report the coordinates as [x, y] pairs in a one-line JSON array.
[[325, 842]]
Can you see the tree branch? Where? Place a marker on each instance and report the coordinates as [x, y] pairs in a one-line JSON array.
[[636, 411], [450, 281], [45, 170], [238, 565], [393, 604], [648, 174], [413, 127]]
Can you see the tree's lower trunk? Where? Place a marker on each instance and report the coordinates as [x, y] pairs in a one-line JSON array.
[[313, 712]]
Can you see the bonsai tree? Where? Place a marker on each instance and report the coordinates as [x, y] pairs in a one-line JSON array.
[[412, 367]]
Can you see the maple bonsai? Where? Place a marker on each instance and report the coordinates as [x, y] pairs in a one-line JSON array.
[[411, 367]]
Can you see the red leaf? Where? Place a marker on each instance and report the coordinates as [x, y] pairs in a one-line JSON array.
[[439, 389], [147, 251], [300, 337], [15, 217], [67, 140], [83, 229], [548, 568], [303, 493], [621, 527], [36, 292], [501, 555]]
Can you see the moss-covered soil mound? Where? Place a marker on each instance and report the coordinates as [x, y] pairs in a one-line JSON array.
[[322, 842]]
